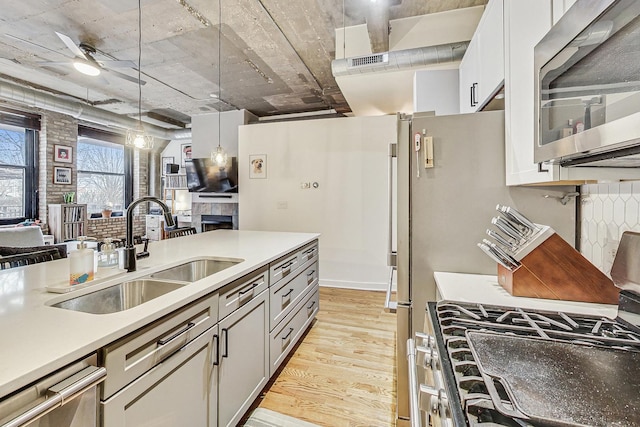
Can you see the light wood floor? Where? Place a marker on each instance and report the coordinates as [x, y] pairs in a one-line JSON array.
[[343, 372]]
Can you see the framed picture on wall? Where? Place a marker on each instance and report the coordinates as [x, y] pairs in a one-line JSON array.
[[258, 166], [166, 161], [62, 153], [185, 152], [62, 176]]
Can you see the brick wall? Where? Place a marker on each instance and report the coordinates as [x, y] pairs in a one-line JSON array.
[[56, 129], [101, 228]]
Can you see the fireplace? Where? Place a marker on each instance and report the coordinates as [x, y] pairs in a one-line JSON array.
[[216, 222]]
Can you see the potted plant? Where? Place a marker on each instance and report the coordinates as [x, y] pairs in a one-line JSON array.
[[107, 210]]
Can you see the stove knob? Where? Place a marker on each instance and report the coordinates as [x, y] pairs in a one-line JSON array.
[[437, 400]]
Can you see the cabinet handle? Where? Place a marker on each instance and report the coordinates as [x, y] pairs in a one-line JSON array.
[[471, 96], [474, 101], [541, 169], [242, 293], [310, 253], [288, 334], [310, 276], [287, 267], [225, 333], [311, 306], [287, 294], [216, 345], [164, 341]]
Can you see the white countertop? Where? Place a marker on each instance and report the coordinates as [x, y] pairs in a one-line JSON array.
[[485, 289], [38, 339]]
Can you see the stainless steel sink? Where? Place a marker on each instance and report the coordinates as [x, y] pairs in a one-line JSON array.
[[195, 270], [119, 297]]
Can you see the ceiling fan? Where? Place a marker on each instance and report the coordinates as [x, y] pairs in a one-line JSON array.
[[85, 62]]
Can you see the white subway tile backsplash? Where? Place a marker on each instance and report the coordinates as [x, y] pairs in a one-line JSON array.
[[608, 210]]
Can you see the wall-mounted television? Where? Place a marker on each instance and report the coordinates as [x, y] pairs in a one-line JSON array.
[[204, 176]]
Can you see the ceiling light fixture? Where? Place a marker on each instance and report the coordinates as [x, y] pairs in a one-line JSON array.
[[86, 68], [137, 137], [219, 156]]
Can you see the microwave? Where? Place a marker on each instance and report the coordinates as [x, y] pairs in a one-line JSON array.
[[587, 86]]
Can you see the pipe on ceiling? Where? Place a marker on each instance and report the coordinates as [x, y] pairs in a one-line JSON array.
[[42, 100], [399, 59]]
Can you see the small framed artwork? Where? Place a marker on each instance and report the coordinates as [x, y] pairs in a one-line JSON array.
[[166, 161], [186, 153], [258, 166], [62, 153], [62, 176]]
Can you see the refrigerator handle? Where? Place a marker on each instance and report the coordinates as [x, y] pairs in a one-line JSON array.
[[391, 255], [390, 306]]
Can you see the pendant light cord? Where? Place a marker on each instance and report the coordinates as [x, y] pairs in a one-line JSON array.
[[139, 62], [219, 73]]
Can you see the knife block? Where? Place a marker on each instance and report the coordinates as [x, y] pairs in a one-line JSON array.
[[555, 270]]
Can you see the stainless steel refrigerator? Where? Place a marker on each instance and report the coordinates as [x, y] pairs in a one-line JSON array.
[[443, 212]]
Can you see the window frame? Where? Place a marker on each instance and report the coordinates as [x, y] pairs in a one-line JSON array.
[[101, 135], [30, 123]]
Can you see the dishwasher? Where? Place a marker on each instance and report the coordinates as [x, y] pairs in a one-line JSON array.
[[66, 398]]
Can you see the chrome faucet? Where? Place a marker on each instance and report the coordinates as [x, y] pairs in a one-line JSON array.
[[130, 249]]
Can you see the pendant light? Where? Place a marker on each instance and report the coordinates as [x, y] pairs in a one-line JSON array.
[[219, 156], [137, 137]]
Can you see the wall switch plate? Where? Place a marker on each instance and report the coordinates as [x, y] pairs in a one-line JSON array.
[[305, 185]]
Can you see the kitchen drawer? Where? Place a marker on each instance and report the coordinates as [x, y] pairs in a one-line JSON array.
[[132, 356], [236, 294], [153, 233], [153, 221], [286, 294], [308, 254], [284, 267], [288, 264], [285, 336]]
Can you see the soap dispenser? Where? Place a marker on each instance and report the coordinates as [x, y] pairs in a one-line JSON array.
[[81, 263], [107, 257]]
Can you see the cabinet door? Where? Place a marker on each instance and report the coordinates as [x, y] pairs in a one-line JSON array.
[[244, 361], [526, 22], [469, 78], [491, 52], [173, 393]]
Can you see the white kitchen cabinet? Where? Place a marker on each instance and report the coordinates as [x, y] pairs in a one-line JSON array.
[[526, 23], [560, 7], [482, 68], [243, 368], [171, 393]]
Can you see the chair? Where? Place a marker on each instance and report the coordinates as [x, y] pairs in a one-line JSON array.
[[178, 232], [28, 258]]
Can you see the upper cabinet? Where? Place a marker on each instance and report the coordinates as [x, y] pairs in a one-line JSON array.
[[525, 24], [482, 68]]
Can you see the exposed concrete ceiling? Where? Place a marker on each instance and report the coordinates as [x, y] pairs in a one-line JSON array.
[[276, 54]]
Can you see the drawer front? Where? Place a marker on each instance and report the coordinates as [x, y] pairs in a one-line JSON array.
[[241, 291], [153, 221], [285, 295], [286, 335], [308, 254], [137, 353], [153, 233], [283, 268]]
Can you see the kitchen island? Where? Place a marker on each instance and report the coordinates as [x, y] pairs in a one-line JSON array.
[[39, 339]]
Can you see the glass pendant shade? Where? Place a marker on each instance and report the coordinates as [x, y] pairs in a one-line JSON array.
[[219, 157], [138, 139]]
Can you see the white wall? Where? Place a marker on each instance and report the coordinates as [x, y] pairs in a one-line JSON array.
[[347, 157], [436, 90], [174, 149], [204, 130]]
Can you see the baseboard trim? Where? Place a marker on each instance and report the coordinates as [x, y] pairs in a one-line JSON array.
[[362, 286]]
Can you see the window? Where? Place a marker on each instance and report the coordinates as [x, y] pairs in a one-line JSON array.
[[18, 174], [103, 176]]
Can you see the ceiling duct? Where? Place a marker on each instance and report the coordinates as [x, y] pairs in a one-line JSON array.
[[400, 59], [37, 99]]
